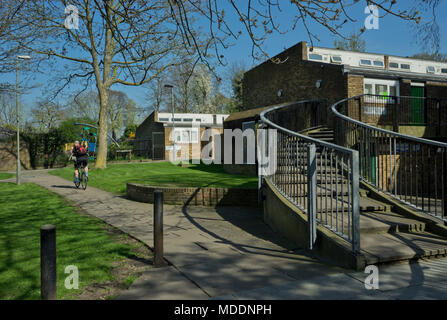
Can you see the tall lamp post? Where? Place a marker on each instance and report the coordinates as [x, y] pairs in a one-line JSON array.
[[17, 116], [169, 88]]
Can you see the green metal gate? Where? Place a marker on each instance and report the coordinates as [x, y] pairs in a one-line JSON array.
[[417, 105]]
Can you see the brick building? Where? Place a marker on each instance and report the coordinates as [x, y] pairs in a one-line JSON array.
[[154, 136], [302, 73], [311, 73]]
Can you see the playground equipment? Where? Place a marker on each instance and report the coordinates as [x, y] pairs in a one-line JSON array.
[[89, 139]]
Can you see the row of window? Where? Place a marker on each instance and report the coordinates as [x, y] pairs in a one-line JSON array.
[[179, 119], [376, 63], [380, 89], [186, 135]]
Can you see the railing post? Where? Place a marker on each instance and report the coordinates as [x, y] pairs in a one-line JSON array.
[[261, 153], [395, 116], [438, 129], [158, 229], [48, 288], [311, 195], [444, 182], [359, 100], [355, 202]]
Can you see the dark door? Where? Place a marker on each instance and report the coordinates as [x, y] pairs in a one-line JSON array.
[[417, 105], [158, 146]]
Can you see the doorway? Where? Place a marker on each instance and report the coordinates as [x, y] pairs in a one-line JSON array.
[[417, 105]]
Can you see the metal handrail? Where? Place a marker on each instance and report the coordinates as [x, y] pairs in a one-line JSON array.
[[302, 136], [299, 159], [365, 125], [410, 169]]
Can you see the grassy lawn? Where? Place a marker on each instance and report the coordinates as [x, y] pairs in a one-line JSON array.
[[82, 241], [115, 177], [4, 176]]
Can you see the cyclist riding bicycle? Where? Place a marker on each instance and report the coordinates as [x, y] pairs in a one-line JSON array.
[[80, 152]]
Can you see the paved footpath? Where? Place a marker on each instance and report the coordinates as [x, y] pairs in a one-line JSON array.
[[230, 253]]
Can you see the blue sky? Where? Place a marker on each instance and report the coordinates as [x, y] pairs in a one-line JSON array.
[[395, 37]]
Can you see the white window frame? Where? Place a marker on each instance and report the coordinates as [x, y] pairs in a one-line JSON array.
[[334, 61], [317, 54], [180, 131], [376, 66], [388, 83], [365, 64], [405, 64]]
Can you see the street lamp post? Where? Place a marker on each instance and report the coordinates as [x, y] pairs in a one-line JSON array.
[[17, 116], [170, 88]]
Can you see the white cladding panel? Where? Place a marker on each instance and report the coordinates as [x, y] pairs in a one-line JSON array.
[[360, 59], [195, 118]]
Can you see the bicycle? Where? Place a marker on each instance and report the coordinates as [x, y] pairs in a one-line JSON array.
[[83, 179]]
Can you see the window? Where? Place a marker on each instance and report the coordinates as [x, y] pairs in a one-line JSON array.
[[393, 91], [178, 119], [381, 89], [443, 70], [186, 135], [378, 64], [394, 65], [163, 119], [317, 57], [365, 62], [405, 66], [199, 120], [431, 69], [187, 120], [336, 59]]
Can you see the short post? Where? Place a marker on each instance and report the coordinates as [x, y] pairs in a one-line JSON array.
[[48, 262], [312, 195], [158, 229]]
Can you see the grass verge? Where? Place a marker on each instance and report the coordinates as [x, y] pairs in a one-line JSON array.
[[115, 177], [107, 259]]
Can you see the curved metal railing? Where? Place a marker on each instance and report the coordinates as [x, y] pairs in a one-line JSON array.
[[410, 169], [318, 177]]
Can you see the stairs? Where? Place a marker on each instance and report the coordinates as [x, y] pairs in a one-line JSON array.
[[385, 235]]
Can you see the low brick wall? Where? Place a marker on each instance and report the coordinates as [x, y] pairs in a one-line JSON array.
[[195, 196]]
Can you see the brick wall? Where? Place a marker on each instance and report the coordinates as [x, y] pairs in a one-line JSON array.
[[195, 196], [296, 77], [143, 136], [8, 156], [191, 150]]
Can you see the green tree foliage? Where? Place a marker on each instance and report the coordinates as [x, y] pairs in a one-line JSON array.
[[352, 43], [440, 57], [236, 77]]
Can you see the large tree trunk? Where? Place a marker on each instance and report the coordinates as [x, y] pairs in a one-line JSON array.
[[103, 89], [101, 155]]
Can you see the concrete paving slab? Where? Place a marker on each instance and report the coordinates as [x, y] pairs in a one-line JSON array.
[[232, 277], [423, 292], [384, 247], [333, 287], [163, 284]]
